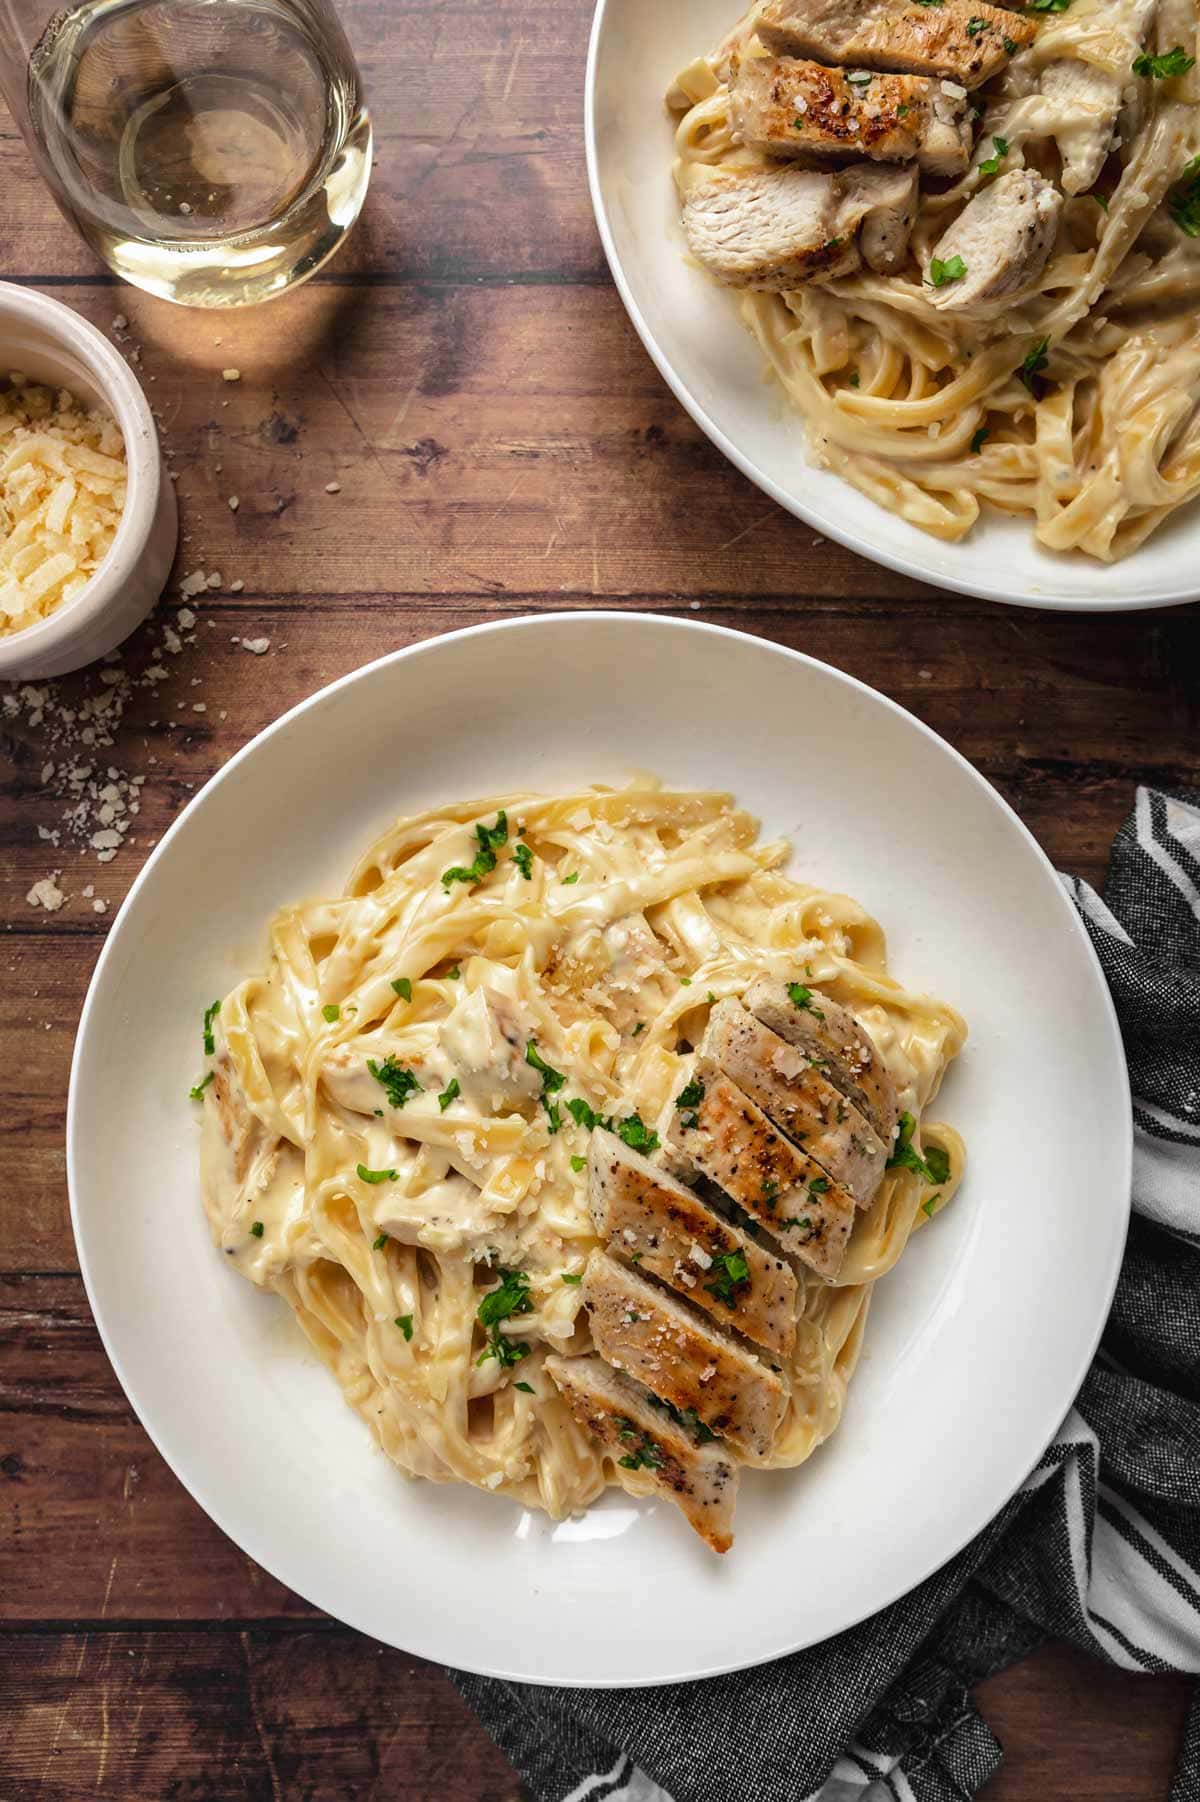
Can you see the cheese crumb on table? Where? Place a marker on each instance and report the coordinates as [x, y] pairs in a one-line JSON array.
[[47, 893], [231, 375], [62, 493]]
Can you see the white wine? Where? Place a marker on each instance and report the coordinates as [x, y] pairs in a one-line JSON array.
[[215, 152]]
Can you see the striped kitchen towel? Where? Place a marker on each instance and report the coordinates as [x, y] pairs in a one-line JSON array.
[[1101, 1546]]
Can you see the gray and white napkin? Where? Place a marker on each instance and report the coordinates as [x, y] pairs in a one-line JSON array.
[[1101, 1545]]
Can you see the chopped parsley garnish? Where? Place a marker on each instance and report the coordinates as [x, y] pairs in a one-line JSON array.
[[979, 440], [770, 1189], [403, 988], [374, 1176], [404, 1322], [686, 1418], [197, 1091], [927, 1207], [453, 973], [378, 1244], [256, 1231], [1010, 46], [992, 163], [1101, 201], [450, 1093], [798, 124], [975, 26], [903, 110], [929, 2], [952, 270], [523, 858], [577, 1163], [512, 1297], [646, 1455], [634, 1132], [691, 1095], [1033, 365], [490, 838], [730, 1272], [525, 1388], [685, 982], [397, 1079], [854, 378], [801, 998], [568, 880], [1164, 68], [1183, 200], [800, 1220], [210, 1014], [933, 1168], [1047, 6], [635, 1257], [567, 1277], [639, 1029], [818, 1185], [860, 78], [331, 1011], [552, 1082]]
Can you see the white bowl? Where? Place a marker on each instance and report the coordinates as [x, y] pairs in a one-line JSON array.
[[49, 343], [691, 329], [975, 1345]]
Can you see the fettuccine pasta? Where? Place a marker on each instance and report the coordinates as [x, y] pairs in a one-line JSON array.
[[1075, 403], [381, 1139]]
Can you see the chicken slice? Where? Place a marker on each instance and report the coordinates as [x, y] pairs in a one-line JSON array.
[[669, 1233], [1085, 103], [786, 108], [486, 1041], [681, 1357], [733, 1144], [839, 1047], [700, 1479], [781, 228], [795, 1096], [1004, 237], [966, 41], [1087, 63], [773, 231], [886, 228]]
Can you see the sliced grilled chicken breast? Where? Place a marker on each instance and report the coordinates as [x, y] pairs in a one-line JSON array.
[[681, 1357], [1004, 237], [669, 1233], [833, 1039], [886, 228], [700, 1479], [1086, 102], [485, 1039], [1087, 61], [787, 108], [958, 40], [773, 231], [782, 228], [795, 1096], [731, 1141]]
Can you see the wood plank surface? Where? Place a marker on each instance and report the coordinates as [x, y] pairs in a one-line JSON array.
[[466, 375]]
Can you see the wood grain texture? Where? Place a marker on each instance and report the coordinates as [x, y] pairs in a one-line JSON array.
[[466, 374]]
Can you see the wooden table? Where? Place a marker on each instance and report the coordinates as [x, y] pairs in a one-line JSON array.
[[503, 445]]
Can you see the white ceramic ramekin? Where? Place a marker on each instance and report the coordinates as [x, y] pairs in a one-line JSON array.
[[49, 343]]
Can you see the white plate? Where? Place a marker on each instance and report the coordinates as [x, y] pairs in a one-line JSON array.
[[692, 331], [975, 1345]]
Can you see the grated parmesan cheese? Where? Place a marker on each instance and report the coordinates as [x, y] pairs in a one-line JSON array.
[[62, 493]]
